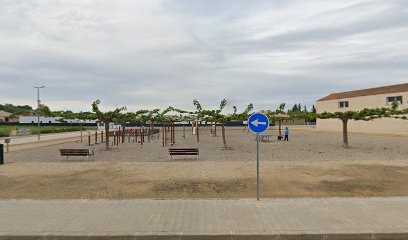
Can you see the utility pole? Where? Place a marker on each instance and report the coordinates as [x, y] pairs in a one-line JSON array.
[[38, 107]]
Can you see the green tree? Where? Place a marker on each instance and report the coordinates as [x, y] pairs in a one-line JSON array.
[[106, 118], [217, 116], [44, 110], [313, 109], [80, 117], [363, 115], [16, 110], [278, 116], [295, 108]]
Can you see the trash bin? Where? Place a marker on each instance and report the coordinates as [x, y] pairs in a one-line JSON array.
[[1, 154]]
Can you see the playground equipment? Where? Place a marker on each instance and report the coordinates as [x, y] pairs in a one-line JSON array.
[[96, 139], [168, 129], [131, 135], [195, 129]]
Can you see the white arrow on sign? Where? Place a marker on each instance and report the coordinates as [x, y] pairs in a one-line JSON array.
[[256, 123]]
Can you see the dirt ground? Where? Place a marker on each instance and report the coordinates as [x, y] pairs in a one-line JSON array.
[[191, 180], [312, 164], [303, 145]]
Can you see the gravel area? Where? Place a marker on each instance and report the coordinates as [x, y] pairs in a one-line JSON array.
[[304, 145]]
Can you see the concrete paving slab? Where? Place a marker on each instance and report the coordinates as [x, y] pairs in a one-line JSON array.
[[330, 218]]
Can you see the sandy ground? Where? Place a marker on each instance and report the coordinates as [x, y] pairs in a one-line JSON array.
[[312, 164], [303, 145], [191, 180]]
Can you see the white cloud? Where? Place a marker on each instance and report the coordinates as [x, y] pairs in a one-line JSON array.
[[148, 54]]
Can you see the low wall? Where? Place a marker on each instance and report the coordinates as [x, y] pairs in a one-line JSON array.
[[383, 126]]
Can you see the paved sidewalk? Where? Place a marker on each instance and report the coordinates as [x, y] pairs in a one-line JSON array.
[[27, 142], [44, 137], [332, 218]]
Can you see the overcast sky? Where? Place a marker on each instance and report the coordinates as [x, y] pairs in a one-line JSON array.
[[154, 53]]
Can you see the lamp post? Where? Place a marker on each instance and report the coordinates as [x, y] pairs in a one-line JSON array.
[[38, 107]]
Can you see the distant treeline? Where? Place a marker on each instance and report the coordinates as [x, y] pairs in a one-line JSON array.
[[16, 109]]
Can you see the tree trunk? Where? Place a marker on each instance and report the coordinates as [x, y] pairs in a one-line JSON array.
[[123, 132], [106, 135], [345, 132], [197, 132], [224, 141], [280, 127], [215, 129]]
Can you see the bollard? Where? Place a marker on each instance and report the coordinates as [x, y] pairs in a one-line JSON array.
[[1, 154], [7, 142], [102, 137], [96, 137], [136, 136], [89, 139]]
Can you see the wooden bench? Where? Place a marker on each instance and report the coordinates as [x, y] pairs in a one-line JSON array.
[[77, 152], [183, 151]]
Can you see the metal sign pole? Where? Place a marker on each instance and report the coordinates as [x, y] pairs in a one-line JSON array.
[[257, 166], [258, 123]]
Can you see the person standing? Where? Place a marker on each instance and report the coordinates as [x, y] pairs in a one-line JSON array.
[[286, 134]]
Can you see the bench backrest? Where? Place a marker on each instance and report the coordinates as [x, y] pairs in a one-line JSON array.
[[74, 151], [183, 150]]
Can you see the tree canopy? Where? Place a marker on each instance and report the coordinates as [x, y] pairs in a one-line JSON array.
[[363, 115]]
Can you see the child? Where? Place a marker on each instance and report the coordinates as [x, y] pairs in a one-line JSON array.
[[286, 134]]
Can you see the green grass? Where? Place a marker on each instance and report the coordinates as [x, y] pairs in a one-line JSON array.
[[5, 131]]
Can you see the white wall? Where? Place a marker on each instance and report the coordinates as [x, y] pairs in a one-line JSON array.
[[384, 125], [33, 119]]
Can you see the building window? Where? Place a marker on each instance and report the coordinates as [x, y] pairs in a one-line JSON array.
[[397, 99], [344, 104]]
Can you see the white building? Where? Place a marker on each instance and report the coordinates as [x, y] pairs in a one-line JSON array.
[[357, 100], [34, 119]]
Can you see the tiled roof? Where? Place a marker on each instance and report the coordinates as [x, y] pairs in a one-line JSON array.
[[4, 114], [367, 92]]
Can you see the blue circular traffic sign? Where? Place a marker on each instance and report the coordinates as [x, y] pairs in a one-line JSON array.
[[258, 123]]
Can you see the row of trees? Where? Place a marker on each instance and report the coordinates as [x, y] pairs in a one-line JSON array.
[[299, 108], [217, 116], [364, 115], [17, 110]]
